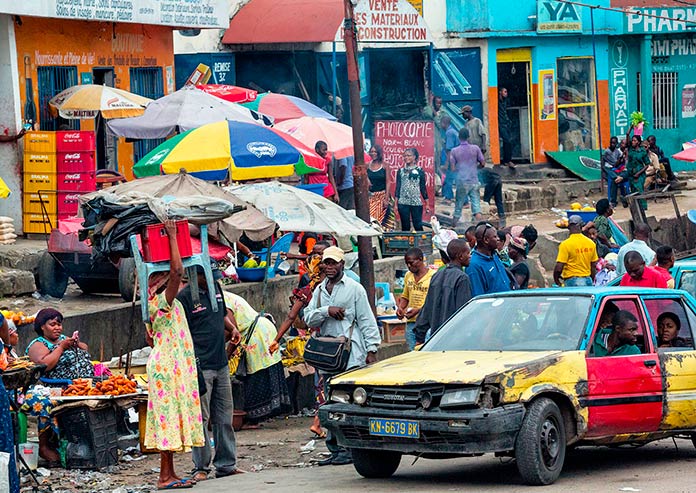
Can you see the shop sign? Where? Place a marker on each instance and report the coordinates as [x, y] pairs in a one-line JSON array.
[[689, 101], [619, 101], [558, 17], [673, 47], [547, 95], [388, 21], [457, 74], [397, 136], [653, 21], [191, 13]]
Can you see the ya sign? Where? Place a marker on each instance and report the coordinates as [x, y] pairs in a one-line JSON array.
[[557, 17]]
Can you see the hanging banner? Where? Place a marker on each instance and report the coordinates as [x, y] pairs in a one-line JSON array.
[[397, 136], [388, 21], [547, 95]]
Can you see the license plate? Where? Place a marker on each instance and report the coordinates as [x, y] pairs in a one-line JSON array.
[[394, 428]]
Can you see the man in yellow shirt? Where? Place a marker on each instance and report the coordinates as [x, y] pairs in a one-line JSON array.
[[416, 284], [577, 257]]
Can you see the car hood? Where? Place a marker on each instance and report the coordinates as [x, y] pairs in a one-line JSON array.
[[445, 367]]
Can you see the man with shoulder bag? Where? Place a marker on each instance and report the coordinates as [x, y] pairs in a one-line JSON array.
[[349, 336]]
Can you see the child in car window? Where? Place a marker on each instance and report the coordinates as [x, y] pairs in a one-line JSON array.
[[668, 326]]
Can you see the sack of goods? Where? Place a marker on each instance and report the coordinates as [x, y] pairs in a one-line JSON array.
[[7, 231]]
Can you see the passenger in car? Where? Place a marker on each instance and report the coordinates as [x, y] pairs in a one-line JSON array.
[[668, 326], [620, 339]]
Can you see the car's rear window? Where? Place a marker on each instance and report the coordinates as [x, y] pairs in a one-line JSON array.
[[515, 323]]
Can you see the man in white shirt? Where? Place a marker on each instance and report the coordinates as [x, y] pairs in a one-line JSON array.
[[641, 235]]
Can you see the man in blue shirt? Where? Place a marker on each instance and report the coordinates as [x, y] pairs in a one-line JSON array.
[[344, 182], [451, 141], [486, 272]]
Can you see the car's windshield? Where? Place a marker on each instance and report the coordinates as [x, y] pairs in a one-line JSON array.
[[515, 323]]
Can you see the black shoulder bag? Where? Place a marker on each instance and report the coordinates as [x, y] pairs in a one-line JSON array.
[[329, 354], [241, 372]]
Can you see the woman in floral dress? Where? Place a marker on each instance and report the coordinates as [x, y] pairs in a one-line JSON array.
[[174, 421]]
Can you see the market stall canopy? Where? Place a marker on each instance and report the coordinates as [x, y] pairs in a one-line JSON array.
[[86, 101], [250, 221], [180, 111], [233, 94], [686, 155], [241, 150], [317, 21], [295, 209], [284, 107]]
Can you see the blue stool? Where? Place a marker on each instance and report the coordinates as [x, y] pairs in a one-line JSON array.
[[145, 269]]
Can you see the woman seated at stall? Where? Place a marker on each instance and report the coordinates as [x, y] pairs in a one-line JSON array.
[[66, 358]]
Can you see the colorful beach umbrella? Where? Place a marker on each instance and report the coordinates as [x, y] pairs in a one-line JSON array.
[[241, 150], [233, 94], [284, 107], [86, 101], [308, 130], [688, 154]]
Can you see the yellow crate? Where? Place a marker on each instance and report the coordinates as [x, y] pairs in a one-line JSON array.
[[35, 162], [40, 141], [32, 203], [33, 182], [37, 223]]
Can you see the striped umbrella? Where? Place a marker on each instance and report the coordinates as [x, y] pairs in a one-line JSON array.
[[283, 107], [242, 151]]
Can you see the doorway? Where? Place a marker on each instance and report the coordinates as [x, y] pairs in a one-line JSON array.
[[107, 156], [514, 75]]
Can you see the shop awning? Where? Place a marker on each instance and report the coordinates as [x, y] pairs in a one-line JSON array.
[[289, 21]]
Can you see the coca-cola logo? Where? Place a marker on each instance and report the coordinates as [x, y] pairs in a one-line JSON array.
[[74, 176], [72, 198], [77, 155], [72, 136]]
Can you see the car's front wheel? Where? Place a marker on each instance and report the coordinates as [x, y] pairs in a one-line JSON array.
[[541, 443], [375, 464]]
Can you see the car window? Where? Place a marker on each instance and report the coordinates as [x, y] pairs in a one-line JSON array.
[[515, 323], [687, 282], [603, 324], [672, 322]]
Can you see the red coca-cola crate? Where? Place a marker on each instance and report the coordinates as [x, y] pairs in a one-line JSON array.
[[156, 242], [83, 181], [68, 204], [75, 140], [76, 162]]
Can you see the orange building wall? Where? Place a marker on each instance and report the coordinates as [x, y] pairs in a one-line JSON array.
[[86, 45]]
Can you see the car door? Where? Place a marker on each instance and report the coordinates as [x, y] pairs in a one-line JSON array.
[[624, 392], [677, 362]]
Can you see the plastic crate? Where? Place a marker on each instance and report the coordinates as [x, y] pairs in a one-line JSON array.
[[75, 140], [397, 242], [40, 142], [34, 182], [39, 162], [76, 162], [84, 181], [92, 437], [68, 204], [38, 223], [35, 203], [156, 242]]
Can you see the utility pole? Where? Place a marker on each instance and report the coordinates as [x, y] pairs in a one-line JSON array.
[[362, 204]]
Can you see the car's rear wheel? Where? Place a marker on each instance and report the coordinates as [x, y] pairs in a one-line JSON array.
[[541, 443], [375, 464]]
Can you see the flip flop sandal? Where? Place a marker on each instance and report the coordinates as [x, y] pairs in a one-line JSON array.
[[176, 485]]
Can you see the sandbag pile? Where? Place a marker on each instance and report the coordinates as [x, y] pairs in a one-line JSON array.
[[7, 231]]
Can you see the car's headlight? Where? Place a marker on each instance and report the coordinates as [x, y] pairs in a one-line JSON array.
[[460, 397], [341, 396], [360, 396]]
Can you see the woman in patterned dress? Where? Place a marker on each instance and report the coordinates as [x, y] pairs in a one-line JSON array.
[[174, 421], [411, 194]]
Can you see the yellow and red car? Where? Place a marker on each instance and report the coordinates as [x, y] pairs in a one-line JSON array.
[[516, 374]]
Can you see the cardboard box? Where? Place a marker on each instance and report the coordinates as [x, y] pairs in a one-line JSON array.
[[393, 331]]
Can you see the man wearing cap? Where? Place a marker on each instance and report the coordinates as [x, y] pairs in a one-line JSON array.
[[209, 332], [339, 303], [577, 257], [477, 132]]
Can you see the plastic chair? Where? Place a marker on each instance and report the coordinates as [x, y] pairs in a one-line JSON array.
[[145, 269], [282, 245]]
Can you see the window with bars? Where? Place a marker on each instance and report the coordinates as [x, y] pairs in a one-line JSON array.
[[147, 82], [53, 80], [665, 85]]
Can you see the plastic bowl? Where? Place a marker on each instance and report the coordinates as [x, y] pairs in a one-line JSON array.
[[251, 275]]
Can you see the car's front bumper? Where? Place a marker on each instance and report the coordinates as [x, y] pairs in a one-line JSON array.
[[470, 431]]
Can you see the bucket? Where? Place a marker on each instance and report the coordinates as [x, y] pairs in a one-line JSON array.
[[30, 453]]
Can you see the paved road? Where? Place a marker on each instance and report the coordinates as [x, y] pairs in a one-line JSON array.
[[655, 468]]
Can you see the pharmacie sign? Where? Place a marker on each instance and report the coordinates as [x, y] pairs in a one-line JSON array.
[[655, 21], [176, 13], [390, 21], [558, 17]]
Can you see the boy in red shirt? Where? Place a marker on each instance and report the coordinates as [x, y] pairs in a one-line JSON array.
[[638, 275]]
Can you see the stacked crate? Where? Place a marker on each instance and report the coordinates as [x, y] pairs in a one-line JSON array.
[[61, 166]]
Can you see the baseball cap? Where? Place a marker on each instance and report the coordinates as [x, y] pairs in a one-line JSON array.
[[575, 219], [333, 253], [466, 107]]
